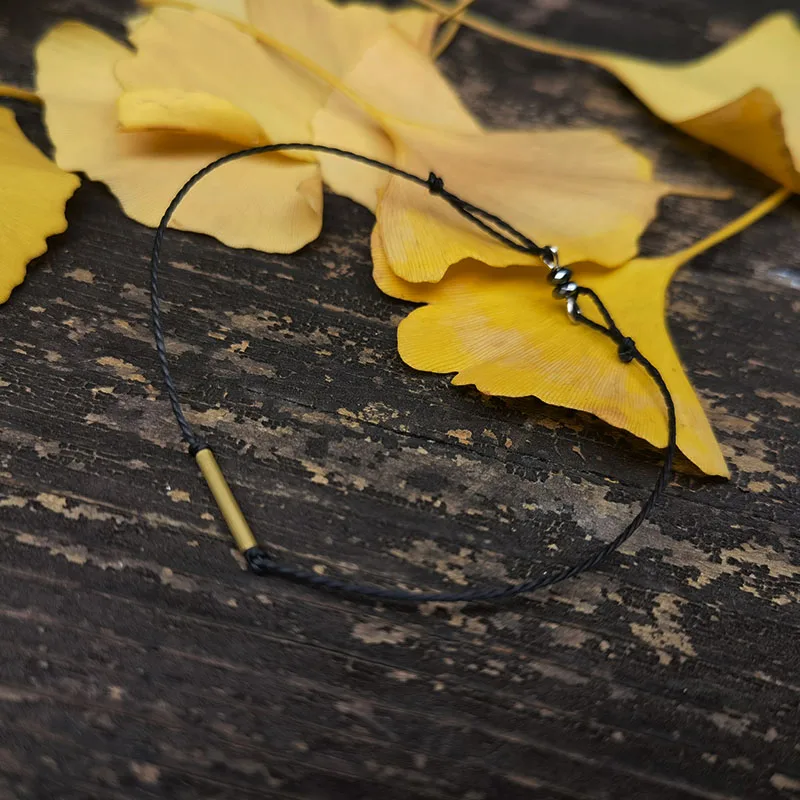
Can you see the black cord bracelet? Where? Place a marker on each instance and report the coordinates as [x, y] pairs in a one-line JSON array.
[[259, 560]]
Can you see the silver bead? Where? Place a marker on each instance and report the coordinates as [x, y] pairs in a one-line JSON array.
[[565, 290], [572, 309], [559, 276], [550, 256]]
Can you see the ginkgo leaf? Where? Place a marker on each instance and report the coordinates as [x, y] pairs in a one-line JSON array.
[[742, 98], [335, 36], [199, 86], [33, 194], [188, 112], [18, 93], [272, 203], [326, 40], [583, 189], [598, 193], [586, 190], [502, 331], [331, 34], [341, 123], [198, 52], [385, 108]]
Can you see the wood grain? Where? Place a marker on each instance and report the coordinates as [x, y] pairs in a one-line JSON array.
[[140, 660]]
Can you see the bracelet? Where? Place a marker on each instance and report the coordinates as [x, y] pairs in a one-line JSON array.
[[259, 559]]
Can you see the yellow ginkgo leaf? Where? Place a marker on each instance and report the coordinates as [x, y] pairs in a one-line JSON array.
[[331, 34], [188, 112], [199, 86], [335, 35], [271, 202], [587, 190], [33, 193], [743, 98], [341, 123], [198, 52], [324, 41], [379, 109], [502, 331]]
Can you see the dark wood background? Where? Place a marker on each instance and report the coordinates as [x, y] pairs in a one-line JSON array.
[[139, 660]]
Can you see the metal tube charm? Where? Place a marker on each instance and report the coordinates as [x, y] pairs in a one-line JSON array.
[[226, 502]]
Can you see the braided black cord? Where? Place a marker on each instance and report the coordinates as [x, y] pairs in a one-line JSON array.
[[259, 561]]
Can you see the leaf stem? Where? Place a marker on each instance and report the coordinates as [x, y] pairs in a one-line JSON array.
[[451, 22], [734, 226], [701, 192], [16, 93], [528, 41]]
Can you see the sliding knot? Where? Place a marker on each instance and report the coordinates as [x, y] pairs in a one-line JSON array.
[[626, 349], [435, 184], [259, 561]]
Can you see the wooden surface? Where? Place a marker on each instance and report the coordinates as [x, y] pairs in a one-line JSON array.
[[139, 660]]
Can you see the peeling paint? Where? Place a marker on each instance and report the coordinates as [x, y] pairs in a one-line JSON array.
[[81, 275], [666, 635], [383, 633], [461, 435], [122, 369]]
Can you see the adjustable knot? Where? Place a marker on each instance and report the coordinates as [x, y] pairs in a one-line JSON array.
[[259, 561], [435, 184], [626, 349]]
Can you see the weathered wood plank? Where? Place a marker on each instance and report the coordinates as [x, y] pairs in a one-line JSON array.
[[140, 660]]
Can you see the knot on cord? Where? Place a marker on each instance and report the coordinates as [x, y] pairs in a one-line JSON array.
[[626, 349], [435, 184], [259, 561], [195, 446]]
